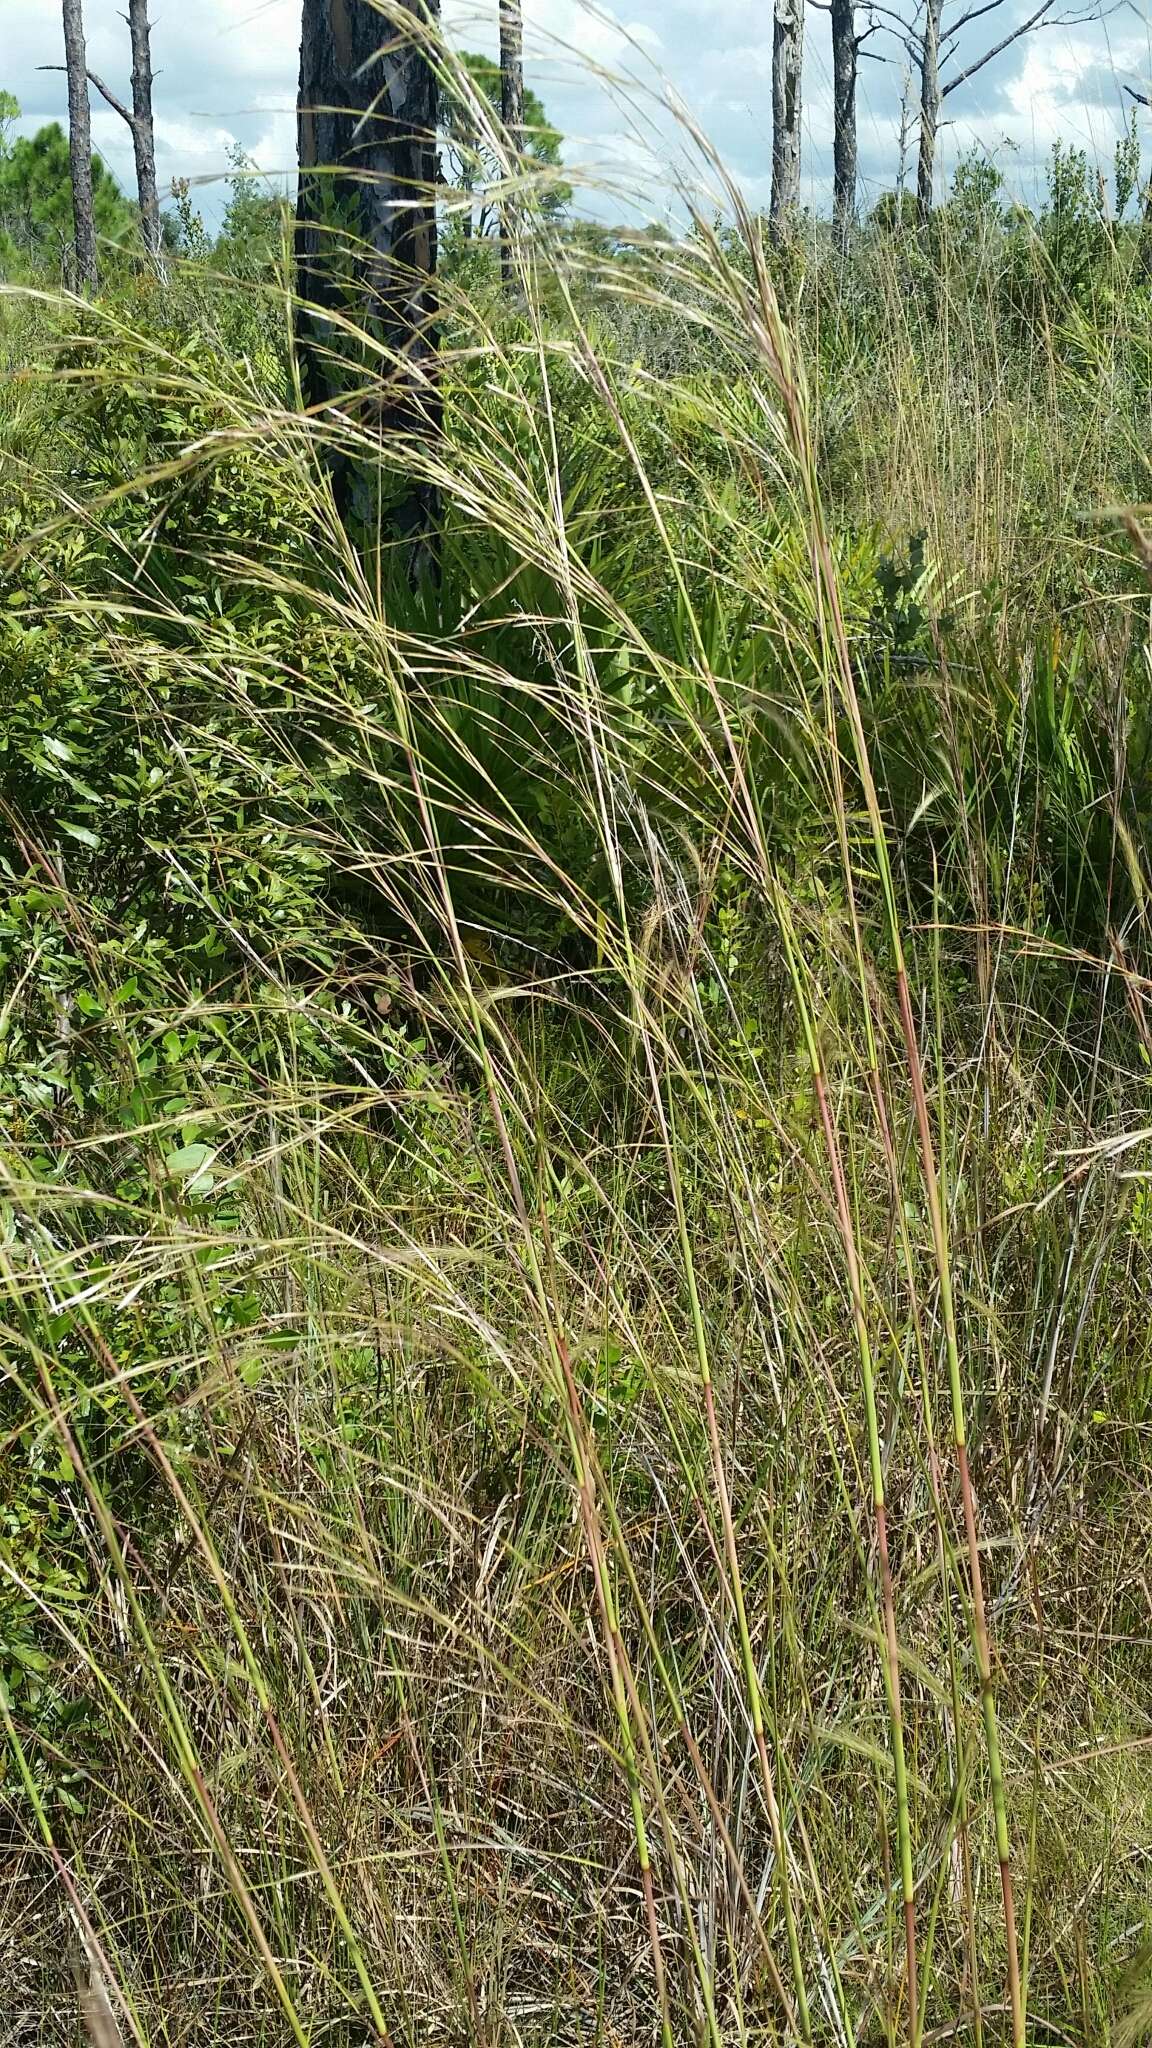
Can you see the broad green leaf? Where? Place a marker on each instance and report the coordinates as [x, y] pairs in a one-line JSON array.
[[189, 1160]]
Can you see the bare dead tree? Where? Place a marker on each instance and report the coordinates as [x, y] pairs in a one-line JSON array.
[[936, 48], [929, 105], [906, 118], [366, 253], [787, 63], [138, 118], [143, 129], [845, 64], [80, 146], [848, 40], [511, 113]]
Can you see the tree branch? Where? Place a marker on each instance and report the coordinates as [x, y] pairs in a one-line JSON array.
[[897, 19], [895, 24], [973, 14], [874, 28], [877, 28], [1043, 18], [116, 105], [1006, 43]]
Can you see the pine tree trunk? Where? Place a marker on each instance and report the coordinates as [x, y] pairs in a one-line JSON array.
[[844, 60], [366, 253], [787, 58], [512, 115], [80, 147], [1144, 240], [929, 106], [902, 159], [143, 132]]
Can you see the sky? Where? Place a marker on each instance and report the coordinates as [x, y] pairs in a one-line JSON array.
[[226, 76]]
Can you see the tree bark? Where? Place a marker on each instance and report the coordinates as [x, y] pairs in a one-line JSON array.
[[1144, 239], [787, 58], [929, 105], [80, 147], [905, 129], [366, 256], [143, 131], [845, 52], [512, 116]]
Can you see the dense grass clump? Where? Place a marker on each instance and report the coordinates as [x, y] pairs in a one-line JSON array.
[[574, 1229]]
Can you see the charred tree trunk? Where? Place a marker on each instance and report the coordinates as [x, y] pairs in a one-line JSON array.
[[787, 58], [512, 116], [143, 131], [80, 147], [845, 54], [366, 259], [929, 106]]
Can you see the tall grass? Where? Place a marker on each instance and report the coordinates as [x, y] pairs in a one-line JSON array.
[[524, 1586]]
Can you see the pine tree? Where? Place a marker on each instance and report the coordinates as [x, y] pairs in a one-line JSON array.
[[80, 147], [366, 253]]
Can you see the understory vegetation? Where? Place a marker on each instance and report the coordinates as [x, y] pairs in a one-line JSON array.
[[574, 1192]]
